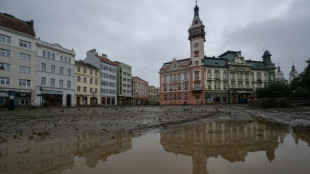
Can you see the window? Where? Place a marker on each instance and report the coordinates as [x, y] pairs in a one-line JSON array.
[[69, 60], [43, 67], [78, 69], [5, 39], [179, 87], [224, 75], [78, 89], [48, 55], [78, 78], [4, 81], [61, 83], [90, 89], [165, 97], [5, 53], [25, 57], [68, 84], [43, 81], [84, 70], [91, 72], [170, 97], [53, 56], [165, 88], [61, 70], [24, 82], [175, 97], [69, 72], [174, 77], [52, 82], [196, 74], [96, 73], [85, 80], [197, 96], [53, 68], [91, 81], [61, 58], [165, 78], [5, 66], [185, 96], [96, 90], [25, 44], [179, 77], [84, 89], [24, 70], [44, 54], [96, 82], [185, 76], [179, 97], [185, 86], [65, 59], [170, 78]]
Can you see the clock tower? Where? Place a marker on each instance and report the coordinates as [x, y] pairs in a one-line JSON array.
[[197, 38]]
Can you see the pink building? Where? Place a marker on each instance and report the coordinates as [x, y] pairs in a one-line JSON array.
[[141, 91]]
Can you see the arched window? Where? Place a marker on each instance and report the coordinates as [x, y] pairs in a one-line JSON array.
[[44, 54]]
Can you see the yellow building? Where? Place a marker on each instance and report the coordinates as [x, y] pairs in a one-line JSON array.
[[87, 84]]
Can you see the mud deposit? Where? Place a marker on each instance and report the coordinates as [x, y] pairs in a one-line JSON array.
[[204, 146]]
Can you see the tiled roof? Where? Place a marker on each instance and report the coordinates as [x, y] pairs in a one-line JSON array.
[[106, 60], [230, 55], [215, 62], [82, 63], [9, 21]]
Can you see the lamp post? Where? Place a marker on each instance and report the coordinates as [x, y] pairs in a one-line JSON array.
[[93, 97], [41, 91]]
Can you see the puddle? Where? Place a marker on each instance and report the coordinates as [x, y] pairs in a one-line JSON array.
[[212, 147]]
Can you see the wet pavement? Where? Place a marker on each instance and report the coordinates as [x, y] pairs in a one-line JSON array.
[[200, 147]]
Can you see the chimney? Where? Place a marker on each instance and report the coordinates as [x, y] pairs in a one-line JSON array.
[[104, 55]]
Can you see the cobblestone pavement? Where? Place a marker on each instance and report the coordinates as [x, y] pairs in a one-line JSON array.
[[39, 123]]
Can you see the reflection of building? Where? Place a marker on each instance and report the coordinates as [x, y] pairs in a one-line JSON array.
[[293, 74], [124, 83], [152, 95], [48, 156], [231, 140], [95, 146], [54, 75], [300, 133], [17, 60], [108, 76], [87, 84], [141, 91]]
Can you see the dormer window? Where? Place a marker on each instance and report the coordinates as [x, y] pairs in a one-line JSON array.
[[174, 65]]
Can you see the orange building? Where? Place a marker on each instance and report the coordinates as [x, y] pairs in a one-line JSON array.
[[182, 81]]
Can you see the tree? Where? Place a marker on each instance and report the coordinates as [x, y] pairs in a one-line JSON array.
[[302, 81], [274, 90]]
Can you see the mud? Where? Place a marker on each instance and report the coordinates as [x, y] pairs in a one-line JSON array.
[[40, 123]]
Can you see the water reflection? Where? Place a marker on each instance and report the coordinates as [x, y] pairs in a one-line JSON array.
[[54, 155], [232, 140]]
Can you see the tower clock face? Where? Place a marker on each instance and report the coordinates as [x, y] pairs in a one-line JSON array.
[[196, 44]]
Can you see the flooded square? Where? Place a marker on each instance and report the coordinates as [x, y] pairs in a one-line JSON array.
[[222, 146]]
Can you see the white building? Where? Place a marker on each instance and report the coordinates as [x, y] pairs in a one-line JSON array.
[[108, 76], [54, 75], [280, 76], [293, 74], [17, 60]]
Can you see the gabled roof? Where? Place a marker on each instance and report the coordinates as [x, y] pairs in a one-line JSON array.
[[106, 60], [215, 62], [257, 65], [10, 22]]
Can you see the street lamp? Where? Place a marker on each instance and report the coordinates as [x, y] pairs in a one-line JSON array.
[[41, 90], [93, 97]]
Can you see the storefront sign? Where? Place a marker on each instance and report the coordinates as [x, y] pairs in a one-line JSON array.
[[4, 94], [22, 94], [52, 92]]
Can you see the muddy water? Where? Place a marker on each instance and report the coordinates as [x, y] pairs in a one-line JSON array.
[[198, 148]]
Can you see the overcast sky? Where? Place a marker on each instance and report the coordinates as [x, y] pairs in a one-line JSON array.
[[147, 33]]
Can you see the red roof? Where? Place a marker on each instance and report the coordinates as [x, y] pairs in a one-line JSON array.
[[106, 60], [9, 21]]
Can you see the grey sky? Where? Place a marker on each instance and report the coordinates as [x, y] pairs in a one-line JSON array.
[[147, 33]]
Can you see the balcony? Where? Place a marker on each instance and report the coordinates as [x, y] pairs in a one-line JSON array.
[[197, 89]]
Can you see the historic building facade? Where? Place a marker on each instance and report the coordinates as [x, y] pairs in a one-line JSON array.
[[280, 76], [108, 76], [232, 79], [124, 84], [87, 84], [182, 81], [54, 75], [17, 60], [152, 95], [141, 91]]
